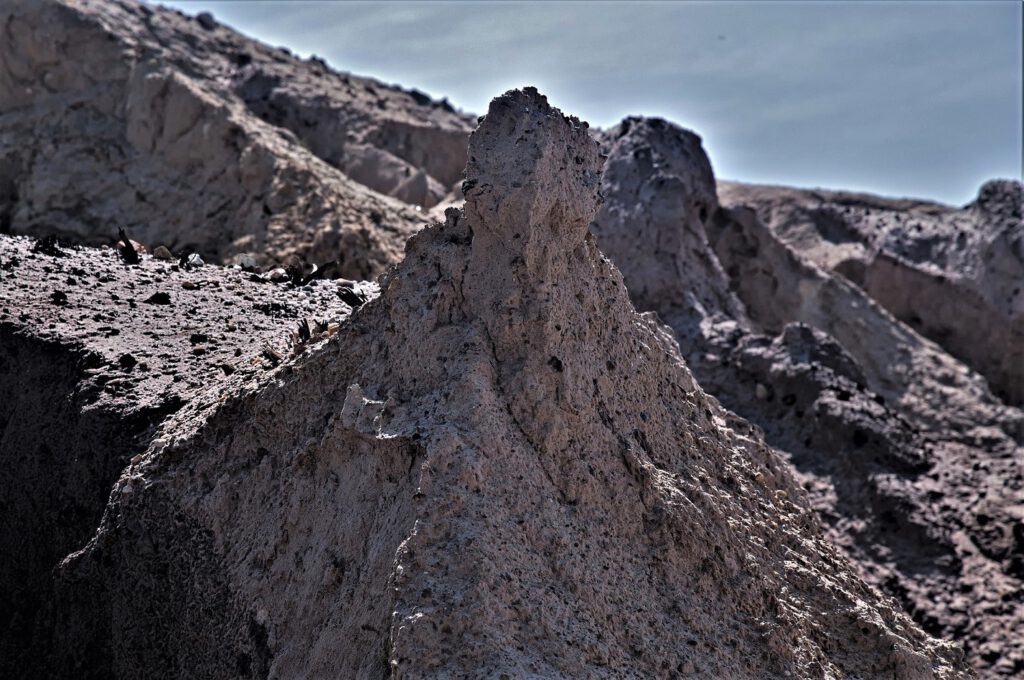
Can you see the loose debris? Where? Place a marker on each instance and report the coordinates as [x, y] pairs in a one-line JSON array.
[[48, 245]]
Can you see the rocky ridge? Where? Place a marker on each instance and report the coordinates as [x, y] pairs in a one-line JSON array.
[[952, 274], [117, 113], [909, 459], [800, 312]]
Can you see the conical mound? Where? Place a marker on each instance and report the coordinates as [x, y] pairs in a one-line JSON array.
[[498, 468]]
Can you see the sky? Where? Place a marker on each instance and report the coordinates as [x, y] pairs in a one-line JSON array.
[[915, 98]]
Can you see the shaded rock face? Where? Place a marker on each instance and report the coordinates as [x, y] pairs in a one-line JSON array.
[[60, 459], [90, 365], [119, 114], [658, 180], [898, 445], [496, 467], [969, 439], [898, 363], [954, 275]]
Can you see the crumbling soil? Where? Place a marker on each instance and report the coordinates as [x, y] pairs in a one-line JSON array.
[[88, 371]]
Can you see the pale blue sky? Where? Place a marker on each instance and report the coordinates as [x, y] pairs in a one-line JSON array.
[[899, 98]]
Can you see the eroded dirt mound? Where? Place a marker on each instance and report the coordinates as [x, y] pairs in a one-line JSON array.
[[953, 274], [915, 467], [197, 138], [496, 467]]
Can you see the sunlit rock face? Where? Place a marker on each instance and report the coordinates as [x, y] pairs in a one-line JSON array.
[[192, 136], [952, 274]]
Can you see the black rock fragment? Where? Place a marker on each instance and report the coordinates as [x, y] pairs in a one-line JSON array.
[[126, 249], [48, 245], [271, 355], [350, 296]]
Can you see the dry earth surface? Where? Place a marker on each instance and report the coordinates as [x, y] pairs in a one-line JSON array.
[[802, 458], [94, 356]]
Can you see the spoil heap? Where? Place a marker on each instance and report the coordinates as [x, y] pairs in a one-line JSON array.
[[496, 468], [913, 464]]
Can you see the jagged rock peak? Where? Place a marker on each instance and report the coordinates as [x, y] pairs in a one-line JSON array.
[[1001, 197], [660, 194], [671, 149], [533, 175], [812, 393]]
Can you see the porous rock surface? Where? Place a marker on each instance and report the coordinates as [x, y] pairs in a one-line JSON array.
[[956, 275], [197, 138], [93, 358], [914, 466], [498, 468]]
